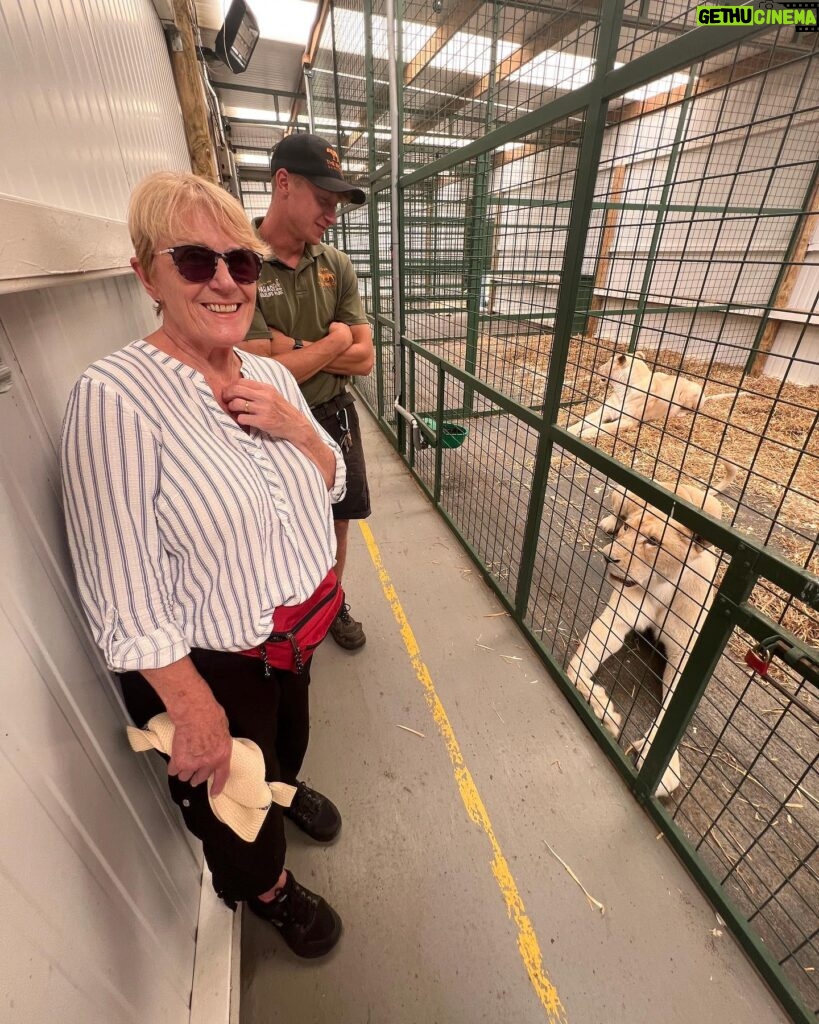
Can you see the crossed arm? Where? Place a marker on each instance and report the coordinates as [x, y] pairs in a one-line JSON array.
[[345, 350]]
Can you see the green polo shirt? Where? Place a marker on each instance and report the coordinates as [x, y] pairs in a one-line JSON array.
[[304, 301]]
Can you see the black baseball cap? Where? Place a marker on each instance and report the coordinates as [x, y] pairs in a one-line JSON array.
[[315, 159]]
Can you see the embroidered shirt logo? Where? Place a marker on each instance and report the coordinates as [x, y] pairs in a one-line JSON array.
[[269, 289], [326, 278]]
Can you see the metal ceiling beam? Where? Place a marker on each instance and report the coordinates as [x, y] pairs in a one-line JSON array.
[[258, 89], [254, 174], [273, 125]]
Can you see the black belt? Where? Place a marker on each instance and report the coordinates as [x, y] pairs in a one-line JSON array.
[[342, 401]]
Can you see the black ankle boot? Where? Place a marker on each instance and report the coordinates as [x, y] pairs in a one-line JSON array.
[[307, 922]]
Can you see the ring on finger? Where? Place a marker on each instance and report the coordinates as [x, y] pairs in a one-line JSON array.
[[247, 406]]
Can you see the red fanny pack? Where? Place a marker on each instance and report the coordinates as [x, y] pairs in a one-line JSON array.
[[298, 629]]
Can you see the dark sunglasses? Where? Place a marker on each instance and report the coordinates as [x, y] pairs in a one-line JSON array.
[[197, 263]]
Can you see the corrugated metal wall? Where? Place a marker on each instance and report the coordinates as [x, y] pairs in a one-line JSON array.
[[89, 101], [99, 884]]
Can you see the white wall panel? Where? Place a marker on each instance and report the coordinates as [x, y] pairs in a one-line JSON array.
[[99, 882], [57, 332], [65, 152], [795, 354], [96, 874], [136, 78], [89, 100]]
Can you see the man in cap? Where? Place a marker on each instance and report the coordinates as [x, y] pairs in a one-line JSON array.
[[309, 317]]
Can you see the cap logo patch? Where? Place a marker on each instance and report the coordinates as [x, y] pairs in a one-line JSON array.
[[333, 162]]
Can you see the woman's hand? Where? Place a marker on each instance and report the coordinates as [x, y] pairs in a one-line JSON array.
[[260, 405], [201, 743], [201, 748]]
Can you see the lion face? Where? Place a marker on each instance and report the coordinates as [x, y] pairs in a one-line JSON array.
[[622, 366], [647, 545]]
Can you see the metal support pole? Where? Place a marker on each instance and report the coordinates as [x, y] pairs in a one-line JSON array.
[[587, 163], [372, 204], [308, 92], [659, 223], [478, 233], [395, 222]]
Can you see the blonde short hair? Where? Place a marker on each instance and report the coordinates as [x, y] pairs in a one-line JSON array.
[[161, 206]]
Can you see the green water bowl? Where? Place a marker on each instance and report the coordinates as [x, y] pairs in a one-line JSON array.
[[453, 435]]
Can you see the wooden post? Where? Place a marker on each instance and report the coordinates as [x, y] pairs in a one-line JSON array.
[[191, 92], [782, 296], [606, 241]]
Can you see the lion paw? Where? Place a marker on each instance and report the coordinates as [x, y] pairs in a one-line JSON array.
[[608, 524], [671, 779]]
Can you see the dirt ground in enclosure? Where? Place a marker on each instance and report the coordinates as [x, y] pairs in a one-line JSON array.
[[766, 429]]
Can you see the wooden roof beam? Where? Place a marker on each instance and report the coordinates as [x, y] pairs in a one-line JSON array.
[[546, 38], [727, 75], [451, 23]]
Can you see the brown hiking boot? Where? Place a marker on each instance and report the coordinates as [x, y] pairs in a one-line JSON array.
[[346, 632]]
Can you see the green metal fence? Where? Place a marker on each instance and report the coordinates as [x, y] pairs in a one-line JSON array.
[[584, 192]]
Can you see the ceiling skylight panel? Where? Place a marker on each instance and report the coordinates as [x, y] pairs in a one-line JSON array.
[[258, 114], [552, 69], [252, 159], [286, 21], [659, 85], [440, 141], [350, 35], [470, 54]]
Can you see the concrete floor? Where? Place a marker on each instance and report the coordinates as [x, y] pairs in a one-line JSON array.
[[455, 911]]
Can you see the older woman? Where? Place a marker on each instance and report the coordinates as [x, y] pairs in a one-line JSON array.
[[197, 494]]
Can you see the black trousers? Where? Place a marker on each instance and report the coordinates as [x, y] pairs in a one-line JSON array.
[[274, 713]]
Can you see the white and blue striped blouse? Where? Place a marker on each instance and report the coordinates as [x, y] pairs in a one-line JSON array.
[[185, 530]]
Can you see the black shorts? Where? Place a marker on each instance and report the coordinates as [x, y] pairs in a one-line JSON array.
[[273, 712], [356, 502]]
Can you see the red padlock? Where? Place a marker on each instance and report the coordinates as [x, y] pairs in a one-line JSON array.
[[759, 660]]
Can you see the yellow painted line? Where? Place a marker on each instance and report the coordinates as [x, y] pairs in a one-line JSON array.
[[527, 940]]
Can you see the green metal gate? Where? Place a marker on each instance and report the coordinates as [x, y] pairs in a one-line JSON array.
[[571, 184]]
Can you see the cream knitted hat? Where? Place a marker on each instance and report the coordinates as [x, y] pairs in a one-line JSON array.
[[244, 802]]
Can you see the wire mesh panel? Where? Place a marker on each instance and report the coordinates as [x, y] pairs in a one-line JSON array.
[[256, 197], [623, 613], [484, 491], [608, 227], [751, 803]]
